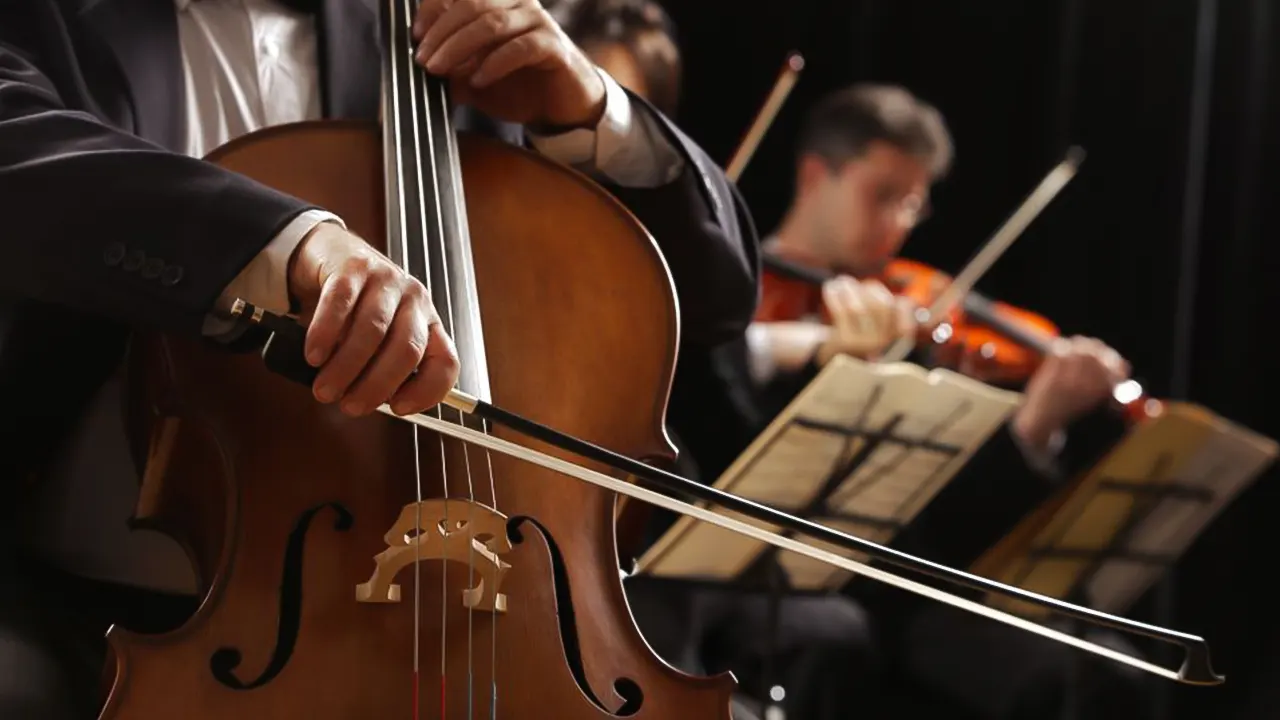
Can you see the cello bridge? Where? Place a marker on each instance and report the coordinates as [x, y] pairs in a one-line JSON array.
[[460, 531]]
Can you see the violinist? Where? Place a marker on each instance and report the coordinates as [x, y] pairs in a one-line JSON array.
[[867, 158], [114, 223]]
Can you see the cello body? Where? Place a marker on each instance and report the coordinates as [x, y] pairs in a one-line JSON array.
[[511, 606]]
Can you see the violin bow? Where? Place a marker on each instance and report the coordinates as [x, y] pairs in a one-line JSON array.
[[786, 80], [981, 261], [1011, 230], [283, 354]]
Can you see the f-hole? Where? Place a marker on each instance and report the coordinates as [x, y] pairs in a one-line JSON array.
[[626, 688], [225, 660]]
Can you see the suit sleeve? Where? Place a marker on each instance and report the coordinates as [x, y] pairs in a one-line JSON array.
[[99, 220], [704, 229]]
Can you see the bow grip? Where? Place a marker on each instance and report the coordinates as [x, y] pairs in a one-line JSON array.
[[284, 351]]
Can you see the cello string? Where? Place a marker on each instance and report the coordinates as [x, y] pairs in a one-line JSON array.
[[460, 212], [410, 9], [400, 192], [446, 527], [470, 291], [449, 312], [493, 631]]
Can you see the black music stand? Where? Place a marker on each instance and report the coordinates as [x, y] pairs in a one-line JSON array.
[[1110, 534], [863, 448]]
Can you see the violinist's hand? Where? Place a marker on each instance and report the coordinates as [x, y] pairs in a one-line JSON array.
[[865, 319], [509, 59], [1077, 377], [370, 325]]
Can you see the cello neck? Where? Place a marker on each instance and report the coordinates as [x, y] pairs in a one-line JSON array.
[[426, 221]]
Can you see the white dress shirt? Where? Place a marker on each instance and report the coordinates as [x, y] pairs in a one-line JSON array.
[[250, 64]]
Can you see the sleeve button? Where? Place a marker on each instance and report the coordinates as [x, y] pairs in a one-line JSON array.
[[134, 260], [113, 254], [151, 270], [171, 275]]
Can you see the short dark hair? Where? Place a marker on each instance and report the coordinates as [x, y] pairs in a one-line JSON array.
[[640, 26], [843, 125]]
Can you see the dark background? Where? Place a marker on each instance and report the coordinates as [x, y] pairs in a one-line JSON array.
[[1162, 245]]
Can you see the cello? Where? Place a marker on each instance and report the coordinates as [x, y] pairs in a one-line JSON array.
[[460, 562], [302, 523]]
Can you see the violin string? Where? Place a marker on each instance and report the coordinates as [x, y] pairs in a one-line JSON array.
[[400, 190]]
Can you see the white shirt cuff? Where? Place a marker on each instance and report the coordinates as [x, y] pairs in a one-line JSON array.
[[760, 363], [264, 281], [627, 147]]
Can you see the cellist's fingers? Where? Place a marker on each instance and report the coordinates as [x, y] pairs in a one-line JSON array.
[[436, 375]]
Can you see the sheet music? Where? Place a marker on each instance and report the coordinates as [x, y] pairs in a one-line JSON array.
[[864, 448], [1113, 532]]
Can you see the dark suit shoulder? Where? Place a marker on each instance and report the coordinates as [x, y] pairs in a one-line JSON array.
[[154, 236]]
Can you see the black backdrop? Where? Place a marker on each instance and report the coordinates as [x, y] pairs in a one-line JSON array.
[[1165, 186]]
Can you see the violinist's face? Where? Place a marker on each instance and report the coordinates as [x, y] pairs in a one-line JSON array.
[[863, 213]]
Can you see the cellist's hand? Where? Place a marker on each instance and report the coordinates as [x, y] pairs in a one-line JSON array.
[[510, 60], [865, 318], [370, 325]]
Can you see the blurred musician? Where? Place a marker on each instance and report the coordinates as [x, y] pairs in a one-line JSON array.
[[632, 40], [867, 157]]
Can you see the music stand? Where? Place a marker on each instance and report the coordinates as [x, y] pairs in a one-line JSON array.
[[863, 448], [1107, 536]]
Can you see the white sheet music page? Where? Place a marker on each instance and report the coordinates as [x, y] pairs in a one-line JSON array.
[[1116, 529], [863, 449]]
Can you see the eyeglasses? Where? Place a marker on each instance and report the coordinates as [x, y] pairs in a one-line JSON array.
[[909, 210]]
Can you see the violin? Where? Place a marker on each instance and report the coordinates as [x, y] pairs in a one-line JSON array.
[[461, 562], [985, 339]]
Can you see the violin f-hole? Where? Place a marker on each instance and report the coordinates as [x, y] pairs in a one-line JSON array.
[[458, 530]]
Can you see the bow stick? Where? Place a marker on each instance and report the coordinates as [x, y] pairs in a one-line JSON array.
[[786, 80], [982, 261], [283, 354]]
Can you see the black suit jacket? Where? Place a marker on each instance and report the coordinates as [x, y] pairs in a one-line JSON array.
[[107, 228]]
